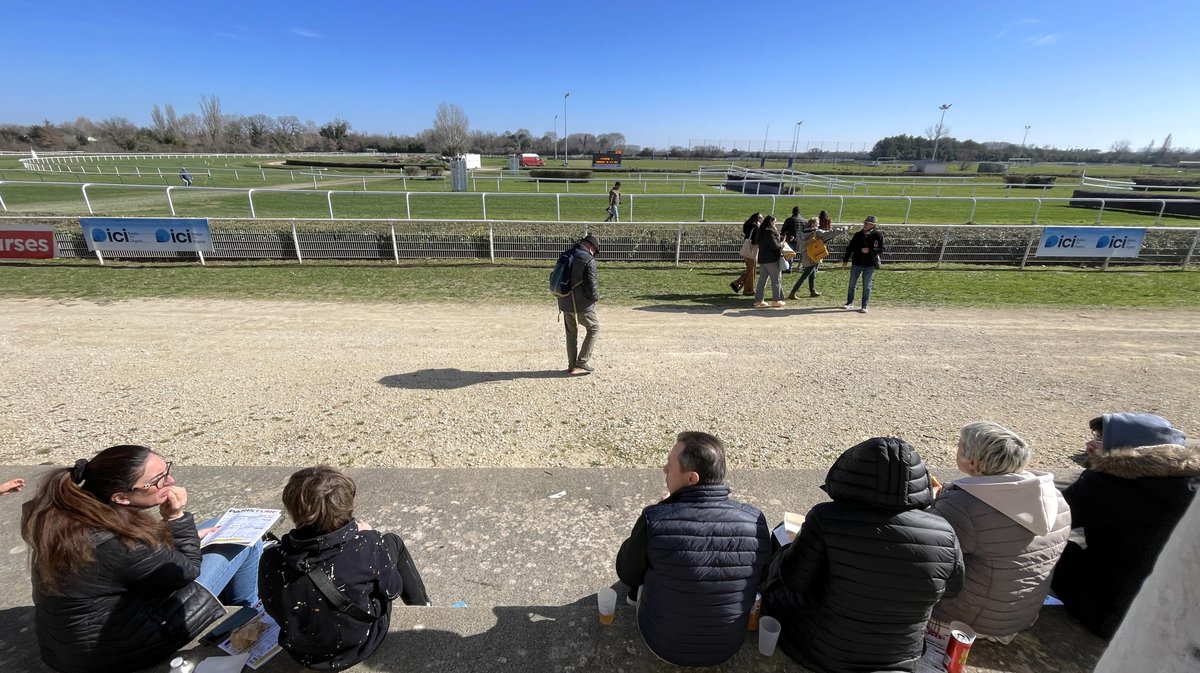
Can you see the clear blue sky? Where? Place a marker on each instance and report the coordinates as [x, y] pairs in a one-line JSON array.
[[1081, 73]]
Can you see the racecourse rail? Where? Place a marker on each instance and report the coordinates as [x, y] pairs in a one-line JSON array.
[[662, 242]]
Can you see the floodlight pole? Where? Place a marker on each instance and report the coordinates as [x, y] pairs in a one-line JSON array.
[[566, 152], [937, 132], [795, 140], [1023, 139], [556, 137]]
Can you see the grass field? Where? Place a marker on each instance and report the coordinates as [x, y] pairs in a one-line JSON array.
[[687, 287]]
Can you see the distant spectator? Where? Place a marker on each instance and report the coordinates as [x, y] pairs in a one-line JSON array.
[[745, 282], [694, 559], [808, 265], [770, 252], [854, 590], [614, 201], [365, 569], [1012, 525], [790, 232], [1142, 473], [186, 177], [864, 248]]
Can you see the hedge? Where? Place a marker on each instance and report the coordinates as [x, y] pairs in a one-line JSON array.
[[570, 174], [1141, 203]]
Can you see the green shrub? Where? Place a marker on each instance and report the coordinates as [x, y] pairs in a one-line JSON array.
[[571, 174], [1030, 180], [992, 167], [435, 171], [412, 171]]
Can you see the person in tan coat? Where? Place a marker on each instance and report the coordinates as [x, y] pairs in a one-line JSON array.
[[1012, 525]]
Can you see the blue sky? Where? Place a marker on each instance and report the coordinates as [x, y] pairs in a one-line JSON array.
[[1079, 73]]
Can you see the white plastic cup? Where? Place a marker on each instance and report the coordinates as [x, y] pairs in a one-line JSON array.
[[606, 601], [768, 635]]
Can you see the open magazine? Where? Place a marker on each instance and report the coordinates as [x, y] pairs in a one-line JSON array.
[[243, 526]]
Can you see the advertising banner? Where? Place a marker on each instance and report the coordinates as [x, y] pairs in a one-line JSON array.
[[24, 241], [121, 234], [1090, 242]]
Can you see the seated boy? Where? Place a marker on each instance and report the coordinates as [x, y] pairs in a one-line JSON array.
[[855, 589], [1012, 525], [330, 583]]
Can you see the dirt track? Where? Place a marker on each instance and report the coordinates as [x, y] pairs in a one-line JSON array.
[[258, 383]]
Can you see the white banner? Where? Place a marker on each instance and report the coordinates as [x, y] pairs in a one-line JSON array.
[[118, 234], [1091, 242]]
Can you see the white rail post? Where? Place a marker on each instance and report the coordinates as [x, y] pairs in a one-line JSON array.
[[974, 205], [945, 241], [557, 207], [1037, 211], [296, 242], [701, 207], [908, 211], [1100, 215], [484, 195], [250, 197], [678, 242], [491, 242], [630, 208], [841, 207], [329, 200], [407, 205], [1033, 236], [1162, 206], [170, 201], [86, 200], [2, 206], [395, 247], [1188, 259]]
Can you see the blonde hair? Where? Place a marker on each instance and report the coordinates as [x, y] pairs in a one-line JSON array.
[[994, 448]]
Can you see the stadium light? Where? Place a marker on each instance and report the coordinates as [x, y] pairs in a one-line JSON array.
[[937, 133]]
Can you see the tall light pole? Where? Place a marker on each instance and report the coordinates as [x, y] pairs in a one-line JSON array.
[[1023, 139], [566, 153], [556, 137], [937, 132], [795, 139]]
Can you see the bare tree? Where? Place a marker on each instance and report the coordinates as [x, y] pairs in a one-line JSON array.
[[120, 132], [1165, 151], [210, 112], [165, 126], [451, 129], [610, 141]]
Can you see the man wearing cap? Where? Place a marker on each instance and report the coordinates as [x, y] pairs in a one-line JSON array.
[[614, 200], [693, 560], [862, 253], [579, 307]]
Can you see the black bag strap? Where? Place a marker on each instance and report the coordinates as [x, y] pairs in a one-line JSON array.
[[336, 597]]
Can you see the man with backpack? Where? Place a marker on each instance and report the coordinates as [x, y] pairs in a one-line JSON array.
[[574, 283]]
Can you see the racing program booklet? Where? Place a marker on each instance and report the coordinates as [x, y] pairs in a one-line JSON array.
[[243, 526]]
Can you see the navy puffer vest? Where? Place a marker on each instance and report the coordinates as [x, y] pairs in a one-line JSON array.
[[706, 554]]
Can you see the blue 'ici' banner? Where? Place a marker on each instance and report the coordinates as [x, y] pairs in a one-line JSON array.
[[120, 234], [1091, 242]]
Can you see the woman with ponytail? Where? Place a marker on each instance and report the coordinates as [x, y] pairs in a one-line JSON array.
[[114, 588]]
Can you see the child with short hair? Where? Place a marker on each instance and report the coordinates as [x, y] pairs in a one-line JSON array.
[[331, 581]]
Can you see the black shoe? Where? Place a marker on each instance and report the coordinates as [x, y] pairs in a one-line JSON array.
[[735, 287]]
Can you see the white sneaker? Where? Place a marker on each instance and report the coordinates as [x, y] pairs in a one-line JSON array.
[[778, 304], [760, 304], [862, 310], [849, 307]]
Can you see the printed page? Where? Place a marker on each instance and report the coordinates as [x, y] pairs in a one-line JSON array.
[[243, 526]]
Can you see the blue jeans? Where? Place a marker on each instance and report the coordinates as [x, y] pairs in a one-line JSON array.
[[809, 272], [230, 571], [768, 271], [867, 273]]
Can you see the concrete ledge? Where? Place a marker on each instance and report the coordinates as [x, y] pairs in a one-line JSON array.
[[526, 560]]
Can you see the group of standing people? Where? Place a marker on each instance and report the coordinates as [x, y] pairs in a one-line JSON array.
[[770, 251], [895, 553]]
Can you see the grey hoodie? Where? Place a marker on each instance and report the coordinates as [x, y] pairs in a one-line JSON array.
[[1012, 528]]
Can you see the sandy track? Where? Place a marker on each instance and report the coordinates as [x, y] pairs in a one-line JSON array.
[[260, 383]]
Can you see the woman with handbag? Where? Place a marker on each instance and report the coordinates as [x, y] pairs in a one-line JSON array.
[[115, 589], [770, 255], [749, 254]]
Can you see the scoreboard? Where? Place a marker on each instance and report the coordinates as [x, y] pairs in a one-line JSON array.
[[604, 160]]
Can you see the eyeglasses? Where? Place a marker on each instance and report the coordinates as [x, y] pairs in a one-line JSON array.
[[156, 482]]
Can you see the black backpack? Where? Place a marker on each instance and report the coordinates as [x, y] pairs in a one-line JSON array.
[[560, 277]]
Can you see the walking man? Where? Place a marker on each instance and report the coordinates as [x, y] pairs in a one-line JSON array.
[[693, 560], [186, 177], [579, 307], [614, 200], [862, 253]]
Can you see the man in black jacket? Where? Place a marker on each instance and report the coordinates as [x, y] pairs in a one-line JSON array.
[[862, 252], [693, 560], [579, 307]]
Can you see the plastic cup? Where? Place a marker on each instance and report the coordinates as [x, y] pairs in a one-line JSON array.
[[768, 635], [606, 601]]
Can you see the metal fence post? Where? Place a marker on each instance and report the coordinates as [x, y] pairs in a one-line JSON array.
[[1100, 215], [1162, 206], [2, 206], [945, 241], [170, 201], [974, 205], [1191, 251], [557, 207], [296, 242], [909, 210], [491, 242], [407, 205], [329, 200], [484, 195], [395, 247], [1037, 211], [630, 208], [250, 196], [772, 203], [841, 207], [678, 242], [1029, 246], [701, 207], [86, 200]]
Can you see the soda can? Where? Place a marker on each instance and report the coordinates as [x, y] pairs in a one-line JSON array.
[[958, 647], [755, 613]]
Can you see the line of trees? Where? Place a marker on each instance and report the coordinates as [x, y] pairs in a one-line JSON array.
[[210, 129]]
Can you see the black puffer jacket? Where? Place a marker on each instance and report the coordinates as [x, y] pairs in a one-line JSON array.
[[1127, 502], [697, 556], [311, 629], [128, 609], [584, 289], [856, 587]]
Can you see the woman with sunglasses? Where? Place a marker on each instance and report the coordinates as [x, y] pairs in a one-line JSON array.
[[114, 588]]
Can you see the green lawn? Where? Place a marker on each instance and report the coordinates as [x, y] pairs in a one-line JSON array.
[[686, 287]]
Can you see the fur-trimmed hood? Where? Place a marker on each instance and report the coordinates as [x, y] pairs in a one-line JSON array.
[[1163, 460]]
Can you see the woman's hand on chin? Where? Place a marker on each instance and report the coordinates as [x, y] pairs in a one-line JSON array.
[[172, 507]]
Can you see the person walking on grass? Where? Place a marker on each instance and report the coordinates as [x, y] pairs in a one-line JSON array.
[[745, 282], [809, 264], [862, 254], [614, 200], [770, 252]]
